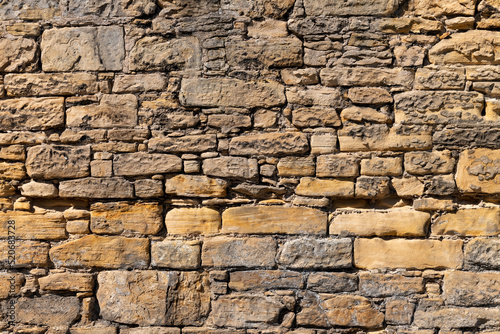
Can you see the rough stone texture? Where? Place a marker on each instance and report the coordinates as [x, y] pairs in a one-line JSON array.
[[357, 7], [477, 171], [102, 252], [185, 144], [236, 167], [265, 279], [345, 76], [126, 218], [93, 187], [176, 254], [32, 226], [268, 220], [194, 185], [469, 222], [202, 92], [18, 55], [316, 253], [309, 186], [83, 49], [400, 223], [380, 285], [67, 282], [51, 84], [332, 282], [400, 253], [471, 289], [141, 163], [48, 310], [51, 162], [274, 144], [29, 254], [482, 253], [31, 113], [192, 220]]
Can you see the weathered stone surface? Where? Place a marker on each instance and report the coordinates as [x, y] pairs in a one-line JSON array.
[[142, 163], [366, 76], [270, 144], [195, 186], [229, 123], [176, 254], [399, 312], [434, 8], [31, 113], [265, 279], [372, 186], [48, 310], [245, 311], [258, 191], [134, 8], [268, 219], [310, 186], [151, 330], [39, 189], [400, 222], [13, 152], [332, 282], [471, 289], [469, 222], [226, 252], [32, 226], [112, 111], [235, 167], [338, 165], [18, 55], [440, 78], [482, 253], [456, 317], [327, 310], [435, 162], [52, 162], [296, 166], [11, 284], [44, 9], [29, 254], [477, 171], [382, 166], [126, 218], [217, 92], [315, 117], [40, 84], [139, 83], [433, 204], [102, 252], [381, 138], [357, 7], [94, 187], [193, 221], [258, 8], [401, 253], [452, 137], [481, 49], [483, 73], [431, 107], [184, 144], [154, 53], [76, 282], [83, 49], [323, 143], [136, 297], [374, 95], [314, 96], [12, 171], [316, 25], [275, 52], [310, 253], [387, 285], [301, 76]]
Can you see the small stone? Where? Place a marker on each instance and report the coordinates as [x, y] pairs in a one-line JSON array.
[[374, 95], [74, 282], [236, 167], [33, 226], [29, 254], [435, 8], [366, 76], [39, 189], [315, 117], [296, 166], [41, 84], [372, 186], [483, 253], [338, 165], [357, 7], [139, 83], [147, 188], [399, 312], [307, 76], [265, 279], [323, 143], [314, 96], [364, 114], [101, 168], [408, 187], [382, 166]]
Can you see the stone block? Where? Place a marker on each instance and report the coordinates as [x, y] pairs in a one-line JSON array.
[[469, 222], [176, 254], [234, 167], [382, 166], [435, 162], [58, 161], [366, 76], [269, 144], [330, 282], [265, 280], [93, 187], [310, 186], [388, 285], [31, 113], [33, 226], [48, 310], [482, 253], [18, 55], [184, 144], [308, 253], [195, 186], [74, 282], [142, 163], [357, 7], [41, 84], [193, 221]]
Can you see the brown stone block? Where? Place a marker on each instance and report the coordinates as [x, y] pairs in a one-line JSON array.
[[195, 186], [193, 221]]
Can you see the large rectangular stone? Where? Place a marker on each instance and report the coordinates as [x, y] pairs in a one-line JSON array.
[[463, 288], [95, 187], [381, 138], [436, 8], [356, 7], [440, 78], [235, 167], [401, 253], [192, 221], [337, 165], [310, 186], [265, 279], [113, 111], [482, 253], [142, 163], [477, 171], [272, 220], [227, 252], [102, 252], [401, 223], [32, 226], [226, 92], [75, 282], [184, 144], [437, 107], [469, 222], [40, 84], [58, 161], [29, 254], [388, 285], [31, 113], [457, 317], [127, 218], [176, 254], [309, 253], [83, 49], [457, 138], [271, 144], [275, 52], [195, 186], [314, 96], [12, 171], [332, 282], [435, 162], [366, 76], [18, 54]]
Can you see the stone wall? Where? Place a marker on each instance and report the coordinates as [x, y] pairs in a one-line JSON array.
[[249, 166]]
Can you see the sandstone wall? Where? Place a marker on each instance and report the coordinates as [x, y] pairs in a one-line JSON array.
[[249, 166]]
